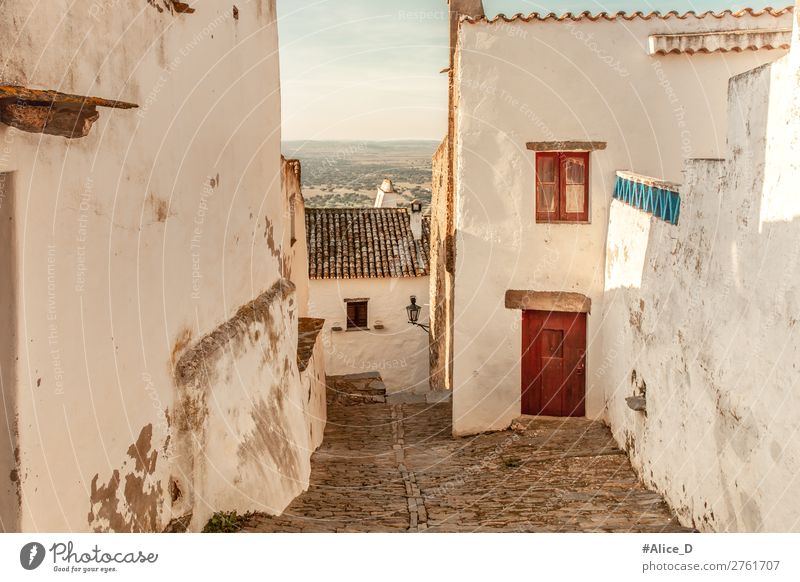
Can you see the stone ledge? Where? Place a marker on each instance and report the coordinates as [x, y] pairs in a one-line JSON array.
[[308, 329], [548, 301], [648, 181], [198, 358], [358, 376], [51, 112], [351, 389]]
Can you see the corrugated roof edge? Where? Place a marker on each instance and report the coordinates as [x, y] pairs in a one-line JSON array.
[[586, 15], [766, 47]]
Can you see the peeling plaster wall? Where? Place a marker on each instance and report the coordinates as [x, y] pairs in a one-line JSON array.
[[135, 242], [443, 246], [400, 351], [247, 418], [703, 318], [549, 81]]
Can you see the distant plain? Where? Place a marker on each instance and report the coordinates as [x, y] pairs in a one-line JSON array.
[[339, 174]]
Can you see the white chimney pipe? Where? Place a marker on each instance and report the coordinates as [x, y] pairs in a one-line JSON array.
[[416, 219]]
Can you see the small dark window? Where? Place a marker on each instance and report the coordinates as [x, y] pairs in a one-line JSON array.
[[562, 186], [357, 314]]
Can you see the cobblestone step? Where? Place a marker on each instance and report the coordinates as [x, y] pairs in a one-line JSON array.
[[350, 389]]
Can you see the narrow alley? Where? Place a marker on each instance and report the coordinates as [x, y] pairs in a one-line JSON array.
[[395, 467]]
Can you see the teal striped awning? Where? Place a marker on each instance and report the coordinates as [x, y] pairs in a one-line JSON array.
[[659, 198]]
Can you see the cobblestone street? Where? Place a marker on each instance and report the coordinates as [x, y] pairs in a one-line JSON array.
[[396, 468]]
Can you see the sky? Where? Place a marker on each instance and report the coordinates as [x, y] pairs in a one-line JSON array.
[[370, 69]]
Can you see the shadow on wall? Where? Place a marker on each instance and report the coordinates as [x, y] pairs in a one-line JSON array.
[[9, 451], [701, 320]]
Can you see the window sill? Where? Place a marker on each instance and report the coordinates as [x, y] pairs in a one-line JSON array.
[[357, 329]]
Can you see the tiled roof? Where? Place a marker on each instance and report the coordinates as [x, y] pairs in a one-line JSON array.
[[354, 243], [630, 16]]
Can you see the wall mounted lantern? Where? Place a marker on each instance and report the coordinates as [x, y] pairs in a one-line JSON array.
[[413, 314]]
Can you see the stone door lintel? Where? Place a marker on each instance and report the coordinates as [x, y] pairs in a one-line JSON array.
[[565, 146], [548, 301]]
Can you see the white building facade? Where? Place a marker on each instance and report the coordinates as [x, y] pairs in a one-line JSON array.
[[365, 264], [659, 147]]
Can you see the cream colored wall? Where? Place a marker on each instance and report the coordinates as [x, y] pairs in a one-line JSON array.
[[399, 352], [548, 81], [702, 316], [135, 242]]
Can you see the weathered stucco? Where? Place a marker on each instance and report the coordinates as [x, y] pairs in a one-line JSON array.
[[443, 244], [245, 415], [399, 351], [135, 504], [701, 319], [296, 267], [441, 283], [572, 81], [131, 245]]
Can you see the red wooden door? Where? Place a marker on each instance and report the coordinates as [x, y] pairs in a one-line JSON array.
[[553, 363]]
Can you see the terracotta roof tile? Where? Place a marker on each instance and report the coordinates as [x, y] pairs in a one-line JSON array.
[[722, 41], [629, 16], [356, 243]]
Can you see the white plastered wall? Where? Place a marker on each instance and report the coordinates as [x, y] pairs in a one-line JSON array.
[[524, 82], [135, 242], [715, 301], [399, 351]]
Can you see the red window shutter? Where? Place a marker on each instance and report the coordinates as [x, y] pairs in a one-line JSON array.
[[562, 187], [547, 190], [574, 191]]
